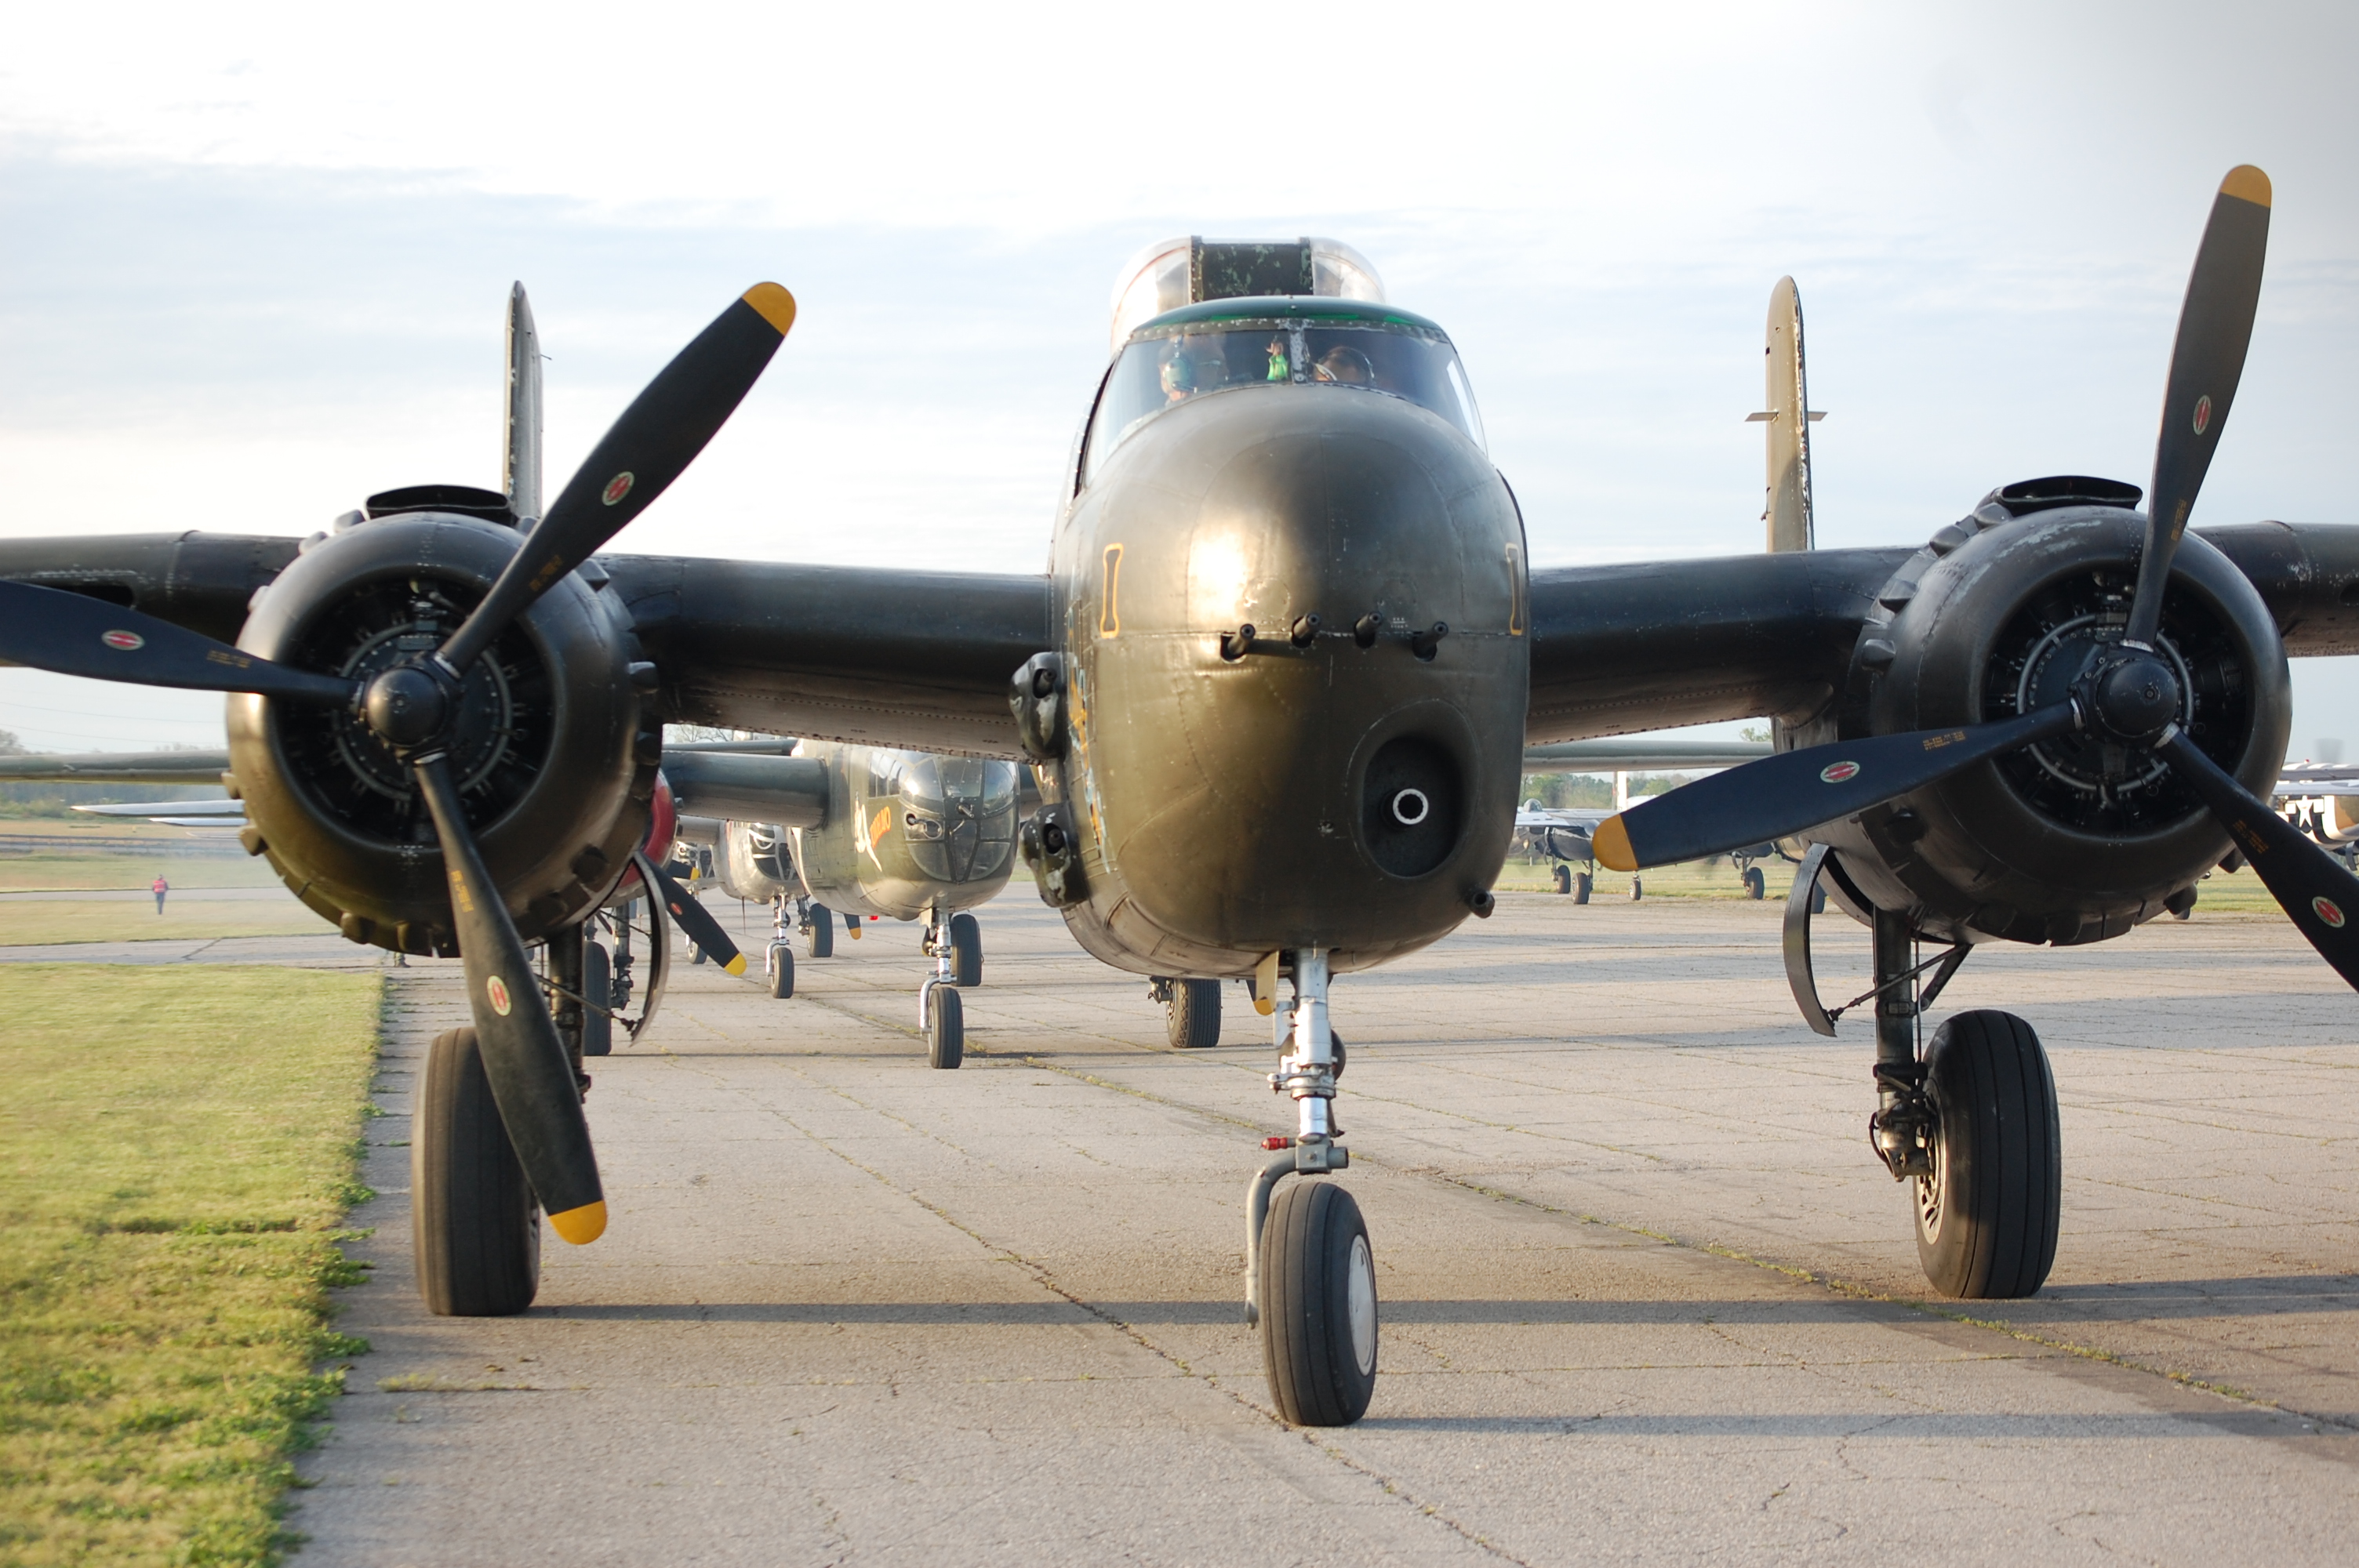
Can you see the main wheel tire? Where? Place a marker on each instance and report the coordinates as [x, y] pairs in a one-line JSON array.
[[1191, 1019], [819, 936], [1581, 885], [598, 991], [1318, 1305], [1562, 879], [1755, 884], [1987, 1219], [476, 1227], [967, 950], [782, 970], [945, 1029]]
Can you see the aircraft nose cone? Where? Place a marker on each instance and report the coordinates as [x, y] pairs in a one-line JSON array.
[[1357, 772]]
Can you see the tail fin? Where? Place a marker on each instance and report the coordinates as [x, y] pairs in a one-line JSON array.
[[520, 462], [1787, 514]]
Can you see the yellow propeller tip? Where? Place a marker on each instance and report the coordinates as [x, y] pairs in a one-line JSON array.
[[777, 307], [2246, 183], [737, 965], [581, 1226], [1611, 844]]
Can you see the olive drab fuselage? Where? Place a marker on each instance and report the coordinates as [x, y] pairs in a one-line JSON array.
[[907, 832], [1230, 799]]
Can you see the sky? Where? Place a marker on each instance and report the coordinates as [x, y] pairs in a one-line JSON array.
[[256, 257]]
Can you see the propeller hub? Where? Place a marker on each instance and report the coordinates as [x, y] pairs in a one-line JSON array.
[[2136, 696], [407, 707]]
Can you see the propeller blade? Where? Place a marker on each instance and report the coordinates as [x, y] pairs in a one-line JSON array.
[[74, 634], [2321, 898], [531, 1076], [654, 440], [1797, 790], [2216, 326], [698, 923]]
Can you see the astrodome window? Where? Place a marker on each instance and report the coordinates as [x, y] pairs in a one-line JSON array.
[[1169, 363]]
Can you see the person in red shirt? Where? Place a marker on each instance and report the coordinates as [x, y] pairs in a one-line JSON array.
[[159, 888]]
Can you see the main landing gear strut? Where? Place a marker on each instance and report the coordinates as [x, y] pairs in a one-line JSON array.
[[1311, 1279], [1969, 1120]]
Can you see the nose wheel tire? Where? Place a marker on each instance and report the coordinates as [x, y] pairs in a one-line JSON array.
[[819, 936], [1562, 878], [1637, 890], [1318, 1291], [967, 950], [1755, 884], [782, 970], [597, 989], [476, 1228], [1986, 1218], [945, 1029], [1192, 1018], [1581, 883]]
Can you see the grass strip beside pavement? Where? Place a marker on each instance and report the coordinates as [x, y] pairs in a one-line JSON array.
[[177, 1149], [34, 922]]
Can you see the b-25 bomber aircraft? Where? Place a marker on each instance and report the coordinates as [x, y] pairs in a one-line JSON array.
[[862, 830], [1276, 684]]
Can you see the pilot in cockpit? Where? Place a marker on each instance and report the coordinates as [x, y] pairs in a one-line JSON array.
[[1179, 374], [1344, 366]]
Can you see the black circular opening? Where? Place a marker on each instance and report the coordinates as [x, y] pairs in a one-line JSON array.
[[1408, 842]]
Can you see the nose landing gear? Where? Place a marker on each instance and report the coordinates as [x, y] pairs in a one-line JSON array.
[[941, 1013], [1310, 1280]]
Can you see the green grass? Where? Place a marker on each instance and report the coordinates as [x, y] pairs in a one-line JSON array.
[[33, 921], [177, 1148]]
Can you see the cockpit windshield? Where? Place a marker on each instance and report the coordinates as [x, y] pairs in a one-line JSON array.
[[1168, 363]]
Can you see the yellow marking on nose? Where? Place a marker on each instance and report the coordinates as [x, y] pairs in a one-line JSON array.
[[1109, 610]]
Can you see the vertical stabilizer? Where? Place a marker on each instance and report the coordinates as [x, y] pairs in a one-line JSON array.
[[1787, 514], [520, 455]]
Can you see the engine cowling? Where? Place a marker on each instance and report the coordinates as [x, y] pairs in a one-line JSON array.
[[2071, 840], [554, 767]]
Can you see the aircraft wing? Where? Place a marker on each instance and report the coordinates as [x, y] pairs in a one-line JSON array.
[[923, 659], [1617, 649], [880, 656]]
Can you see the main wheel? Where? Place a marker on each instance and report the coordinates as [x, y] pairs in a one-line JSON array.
[[1191, 1019], [1562, 878], [1581, 883], [475, 1226], [945, 1029], [1318, 1305], [819, 936], [967, 950], [782, 970], [1986, 1218], [598, 991], [1755, 884]]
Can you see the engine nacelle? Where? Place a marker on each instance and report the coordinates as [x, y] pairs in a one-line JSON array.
[[2073, 840], [552, 764]]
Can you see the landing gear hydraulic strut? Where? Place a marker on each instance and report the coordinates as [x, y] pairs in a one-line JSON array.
[[1308, 1073]]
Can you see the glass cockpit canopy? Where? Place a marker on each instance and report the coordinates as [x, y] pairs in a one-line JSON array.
[[1224, 344], [1171, 272]]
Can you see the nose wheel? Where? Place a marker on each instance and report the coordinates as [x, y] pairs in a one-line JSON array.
[[1310, 1275]]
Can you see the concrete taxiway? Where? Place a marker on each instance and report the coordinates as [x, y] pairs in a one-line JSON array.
[[1647, 1295]]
